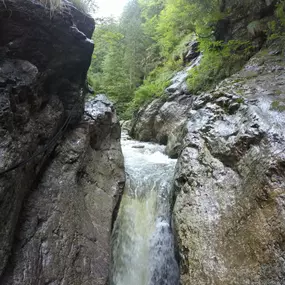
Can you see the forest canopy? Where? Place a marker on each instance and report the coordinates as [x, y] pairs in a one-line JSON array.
[[136, 56]]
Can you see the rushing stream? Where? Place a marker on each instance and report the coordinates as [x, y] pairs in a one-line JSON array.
[[142, 241]]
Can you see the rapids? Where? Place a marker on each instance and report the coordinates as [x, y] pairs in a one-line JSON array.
[[143, 250]]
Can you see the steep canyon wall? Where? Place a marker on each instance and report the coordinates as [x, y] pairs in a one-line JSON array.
[[56, 208], [230, 144]]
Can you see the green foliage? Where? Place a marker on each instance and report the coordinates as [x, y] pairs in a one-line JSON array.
[[254, 28], [153, 86], [278, 106], [276, 27], [106, 37], [219, 61], [171, 29], [280, 12], [121, 56], [168, 22], [135, 57], [173, 25]]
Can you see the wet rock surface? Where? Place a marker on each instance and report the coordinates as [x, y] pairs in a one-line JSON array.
[[56, 209], [64, 228], [162, 120], [229, 179], [230, 182], [42, 71]]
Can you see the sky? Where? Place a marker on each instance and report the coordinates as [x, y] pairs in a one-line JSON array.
[[110, 7]]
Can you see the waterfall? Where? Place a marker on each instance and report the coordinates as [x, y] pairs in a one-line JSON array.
[[142, 240]]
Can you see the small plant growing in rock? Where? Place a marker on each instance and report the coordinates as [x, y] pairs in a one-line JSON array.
[[220, 60], [255, 28], [82, 5], [240, 100], [277, 106]]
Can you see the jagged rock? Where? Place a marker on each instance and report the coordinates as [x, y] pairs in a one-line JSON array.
[[229, 180], [65, 224], [230, 183], [192, 52], [56, 209], [240, 14]]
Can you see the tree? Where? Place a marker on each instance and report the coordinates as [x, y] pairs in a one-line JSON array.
[[134, 57]]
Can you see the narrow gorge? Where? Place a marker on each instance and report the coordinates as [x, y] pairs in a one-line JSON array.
[[155, 157], [143, 242]]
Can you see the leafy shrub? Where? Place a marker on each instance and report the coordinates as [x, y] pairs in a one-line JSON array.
[[155, 83], [220, 60], [277, 106], [276, 27]]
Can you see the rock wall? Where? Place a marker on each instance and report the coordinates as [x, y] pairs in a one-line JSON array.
[[229, 211], [56, 209], [64, 227], [245, 20]]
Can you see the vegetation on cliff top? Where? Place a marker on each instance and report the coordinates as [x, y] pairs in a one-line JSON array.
[[82, 5], [136, 56]]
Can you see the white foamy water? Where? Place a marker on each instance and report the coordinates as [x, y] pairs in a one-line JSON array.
[[143, 244]]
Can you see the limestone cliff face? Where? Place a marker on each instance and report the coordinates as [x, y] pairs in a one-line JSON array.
[[229, 181], [56, 209], [245, 19], [64, 226]]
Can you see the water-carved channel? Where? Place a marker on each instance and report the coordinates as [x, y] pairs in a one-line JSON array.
[[142, 242]]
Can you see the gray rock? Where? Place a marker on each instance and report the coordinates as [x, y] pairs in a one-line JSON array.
[[126, 125], [162, 122], [229, 180], [142, 126], [56, 210], [41, 81], [230, 184], [64, 229]]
